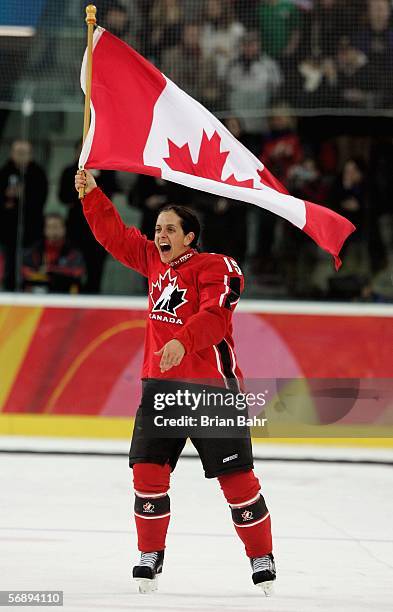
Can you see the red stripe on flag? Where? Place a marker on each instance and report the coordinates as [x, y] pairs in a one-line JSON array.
[[123, 101], [269, 180], [328, 229]]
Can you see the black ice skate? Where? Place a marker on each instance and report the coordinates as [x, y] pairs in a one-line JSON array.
[[264, 573], [147, 571]]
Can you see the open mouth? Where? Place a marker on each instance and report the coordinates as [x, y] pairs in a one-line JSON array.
[[165, 247]]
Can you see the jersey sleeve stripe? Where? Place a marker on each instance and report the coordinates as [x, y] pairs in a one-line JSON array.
[[226, 290], [234, 293], [219, 364], [228, 366]]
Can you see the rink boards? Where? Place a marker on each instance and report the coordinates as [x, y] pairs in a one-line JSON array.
[[70, 366]]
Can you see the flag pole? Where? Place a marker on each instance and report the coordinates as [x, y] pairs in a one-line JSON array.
[[91, 22]]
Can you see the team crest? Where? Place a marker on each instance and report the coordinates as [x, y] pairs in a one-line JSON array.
[[247, 515], [166, 295], [148, 507]]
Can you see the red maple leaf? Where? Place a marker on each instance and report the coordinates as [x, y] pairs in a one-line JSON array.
[[210, 162]]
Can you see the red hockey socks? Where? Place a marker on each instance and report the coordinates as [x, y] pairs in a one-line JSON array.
[[152, 507], [249, 512]]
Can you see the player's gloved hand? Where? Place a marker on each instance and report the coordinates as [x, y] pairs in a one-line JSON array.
[[84, 178], [171, 355]]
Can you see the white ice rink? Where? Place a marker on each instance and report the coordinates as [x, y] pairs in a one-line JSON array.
[[66, 524]]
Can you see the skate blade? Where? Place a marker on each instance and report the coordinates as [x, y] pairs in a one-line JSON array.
[[267, 587], [145, 585]]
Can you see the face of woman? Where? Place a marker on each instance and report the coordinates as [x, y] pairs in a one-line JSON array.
[[352, 173], [379, 13], [170, 239]]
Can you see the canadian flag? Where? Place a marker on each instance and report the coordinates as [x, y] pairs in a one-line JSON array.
[[142, 122]]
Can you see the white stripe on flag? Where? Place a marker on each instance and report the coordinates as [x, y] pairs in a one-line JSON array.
[[98, 32]]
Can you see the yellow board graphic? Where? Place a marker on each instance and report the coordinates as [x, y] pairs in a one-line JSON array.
[[17, 327]]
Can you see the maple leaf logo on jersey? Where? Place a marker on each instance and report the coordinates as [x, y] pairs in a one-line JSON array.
[[166, 295], [210, 164]]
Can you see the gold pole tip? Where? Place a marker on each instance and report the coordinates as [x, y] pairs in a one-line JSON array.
[[91, 12]]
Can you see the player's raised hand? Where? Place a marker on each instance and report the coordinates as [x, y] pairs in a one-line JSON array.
[[84, 179], [171, 355]]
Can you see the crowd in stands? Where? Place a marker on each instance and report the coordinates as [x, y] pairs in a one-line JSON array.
[[257, 60], [239, 54], [58, 252]]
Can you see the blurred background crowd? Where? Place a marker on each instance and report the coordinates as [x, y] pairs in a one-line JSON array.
[[306, 85]]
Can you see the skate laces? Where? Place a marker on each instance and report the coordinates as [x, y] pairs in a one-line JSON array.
[[260, 564], [149, 559]]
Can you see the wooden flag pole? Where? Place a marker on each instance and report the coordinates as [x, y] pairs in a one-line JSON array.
[[91, 21]]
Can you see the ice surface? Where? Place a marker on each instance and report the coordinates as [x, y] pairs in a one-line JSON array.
[[66, 523]]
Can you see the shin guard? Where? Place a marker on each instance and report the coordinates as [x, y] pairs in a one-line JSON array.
[[250, 515], [152, 505]]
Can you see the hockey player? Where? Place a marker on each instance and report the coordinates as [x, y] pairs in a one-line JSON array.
[[192, 296]]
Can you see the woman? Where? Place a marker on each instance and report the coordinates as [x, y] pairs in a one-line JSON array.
[[165, 25], [253, 79], [188, 347], [221, 35]]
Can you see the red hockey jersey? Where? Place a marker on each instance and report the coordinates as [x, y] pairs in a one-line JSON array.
[[190, 299]]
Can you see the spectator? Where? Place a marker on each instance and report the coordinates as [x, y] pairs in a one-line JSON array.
[[280, 23], [346, 80], [224, 225], [281, 151], [313, 83], [349, 195], [224, 220], [23, 192], [380, 288], [323, 27], [376, 41], [380, 171], [298, 254], [122, 20], [78, 231], [165, 28], [282, 148], [305, 181], [221, 34], [353, 85], [236, 128], [349, 198], [52, 265], [253, 78], [187, 67]]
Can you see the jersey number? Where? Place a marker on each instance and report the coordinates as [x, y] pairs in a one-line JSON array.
[[233, 266]]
